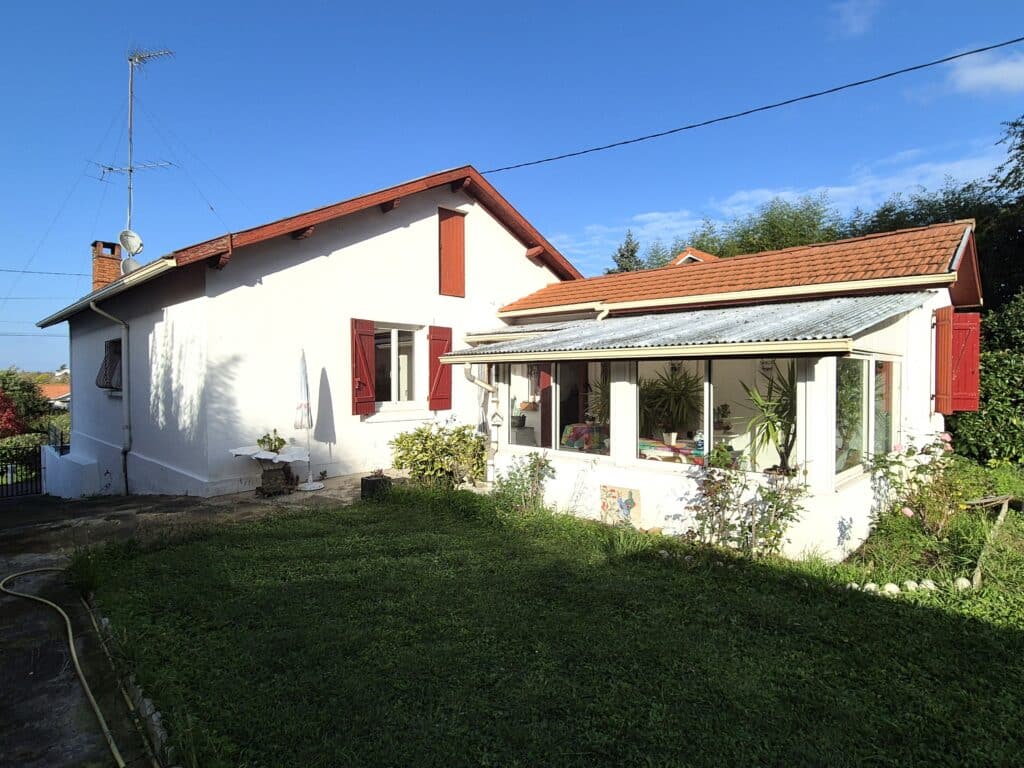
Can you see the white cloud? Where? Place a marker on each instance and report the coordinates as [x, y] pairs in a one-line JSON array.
[[988, 72], [866, 187], [854, 17]]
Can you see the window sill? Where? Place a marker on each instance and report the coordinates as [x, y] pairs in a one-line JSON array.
[[847, 476], [401, 411]]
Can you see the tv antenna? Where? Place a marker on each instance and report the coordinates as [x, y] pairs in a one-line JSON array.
[[136, 58]]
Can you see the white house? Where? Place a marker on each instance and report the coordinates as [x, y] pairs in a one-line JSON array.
[[198, 352], [628, 381]]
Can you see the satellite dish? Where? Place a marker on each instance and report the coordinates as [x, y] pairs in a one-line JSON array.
[[131, 242], [129, 265]]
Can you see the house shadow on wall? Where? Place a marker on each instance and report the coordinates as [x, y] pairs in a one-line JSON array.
[[324, 431]]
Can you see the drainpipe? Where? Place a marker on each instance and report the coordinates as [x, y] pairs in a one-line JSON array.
[[126, 399], [467, 368]]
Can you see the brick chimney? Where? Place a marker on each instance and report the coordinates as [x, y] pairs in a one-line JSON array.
[[106, 263]]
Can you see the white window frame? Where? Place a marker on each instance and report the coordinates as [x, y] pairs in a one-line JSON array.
[[869, 427], [394, 403]]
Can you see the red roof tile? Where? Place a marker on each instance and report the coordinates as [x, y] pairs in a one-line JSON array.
[[920, 252]]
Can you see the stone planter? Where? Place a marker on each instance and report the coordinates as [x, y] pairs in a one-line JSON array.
[[274, 480], [374, 487]]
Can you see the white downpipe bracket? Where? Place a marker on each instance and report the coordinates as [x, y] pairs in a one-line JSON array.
[[126, 391]]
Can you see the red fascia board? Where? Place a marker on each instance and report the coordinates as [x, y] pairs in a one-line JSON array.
[[479, 188]]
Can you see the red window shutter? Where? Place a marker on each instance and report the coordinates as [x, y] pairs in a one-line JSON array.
[[363, 390], [452, 252], [545, 405], [944, 360], [439, 340], [966, 360]]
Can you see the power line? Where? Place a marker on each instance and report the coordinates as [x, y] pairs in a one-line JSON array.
[[36, 335], [764, 108], [35, 272]]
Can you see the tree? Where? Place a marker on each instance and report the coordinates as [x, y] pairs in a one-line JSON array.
[[10, 423], [777, 224], [657, 255], [28, 402], [627, 256]]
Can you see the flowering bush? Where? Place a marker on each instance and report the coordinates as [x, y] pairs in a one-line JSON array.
[[916, 483]]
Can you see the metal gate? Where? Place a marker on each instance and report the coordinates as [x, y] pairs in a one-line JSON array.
[[21, 475]]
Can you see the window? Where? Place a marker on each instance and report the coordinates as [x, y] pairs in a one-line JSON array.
[[529, 405], [670, 410], [754, 412], [851, 412], [385, 357], [886, 402], [109, 375], [393, 364], [584, 407], [452, 252]]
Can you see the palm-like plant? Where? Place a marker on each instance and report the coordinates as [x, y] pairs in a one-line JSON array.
[[774, 424]]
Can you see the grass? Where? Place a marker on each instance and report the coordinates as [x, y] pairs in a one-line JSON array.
[[430, 631]]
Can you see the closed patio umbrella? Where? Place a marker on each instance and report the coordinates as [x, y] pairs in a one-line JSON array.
[[304, 420]]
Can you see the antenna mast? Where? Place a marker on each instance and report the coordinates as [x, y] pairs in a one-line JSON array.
[[136, 58]]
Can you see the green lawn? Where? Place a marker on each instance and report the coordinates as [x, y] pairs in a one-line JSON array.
[[421, 632]]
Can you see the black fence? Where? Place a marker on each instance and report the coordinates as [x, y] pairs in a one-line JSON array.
[[21, 474]]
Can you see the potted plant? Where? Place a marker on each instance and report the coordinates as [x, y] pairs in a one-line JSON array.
[[676, 399], [517, 418], [774, 421], [375, 487]]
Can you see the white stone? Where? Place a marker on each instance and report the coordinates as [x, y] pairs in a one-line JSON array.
[[688, 558], [871, 587], [909, 585], [890, 589], [663, 553], [962, 583], [928, 584], [853, 585]]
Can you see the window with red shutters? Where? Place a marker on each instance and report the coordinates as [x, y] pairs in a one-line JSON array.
[[966, 360], [439, 341], [452, 252], [363, 387], [944, 360]]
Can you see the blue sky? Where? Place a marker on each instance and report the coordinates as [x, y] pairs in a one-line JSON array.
[[271, 108]]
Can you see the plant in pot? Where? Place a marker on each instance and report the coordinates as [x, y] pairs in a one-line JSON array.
[[517, 418], [375, 486], [774, 421], [675, 400]]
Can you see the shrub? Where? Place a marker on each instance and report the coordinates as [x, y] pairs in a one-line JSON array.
[[521, 488], [20, 447], [84, 571], [441, 455], [996, 430]]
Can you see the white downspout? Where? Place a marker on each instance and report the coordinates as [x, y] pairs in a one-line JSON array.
[[126, 399], [467, 368]]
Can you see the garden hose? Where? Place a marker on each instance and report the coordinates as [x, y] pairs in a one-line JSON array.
[[74, 655]]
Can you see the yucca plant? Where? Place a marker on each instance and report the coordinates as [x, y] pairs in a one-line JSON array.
[[774, 423]]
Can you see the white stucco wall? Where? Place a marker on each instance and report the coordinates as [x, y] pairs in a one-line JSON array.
[[215, 354]]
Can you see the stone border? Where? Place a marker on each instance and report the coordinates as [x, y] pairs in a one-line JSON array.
[[142, 708]]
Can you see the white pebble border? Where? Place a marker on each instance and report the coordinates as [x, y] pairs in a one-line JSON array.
[[148, 714], [890, 589]]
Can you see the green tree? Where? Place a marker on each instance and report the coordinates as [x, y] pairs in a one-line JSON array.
[[627, 256], [29, 403], [657, 254], [777, 224]]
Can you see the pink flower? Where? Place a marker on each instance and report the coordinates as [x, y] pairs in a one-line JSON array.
[[945, 437], [898, 447], [907, 512]]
